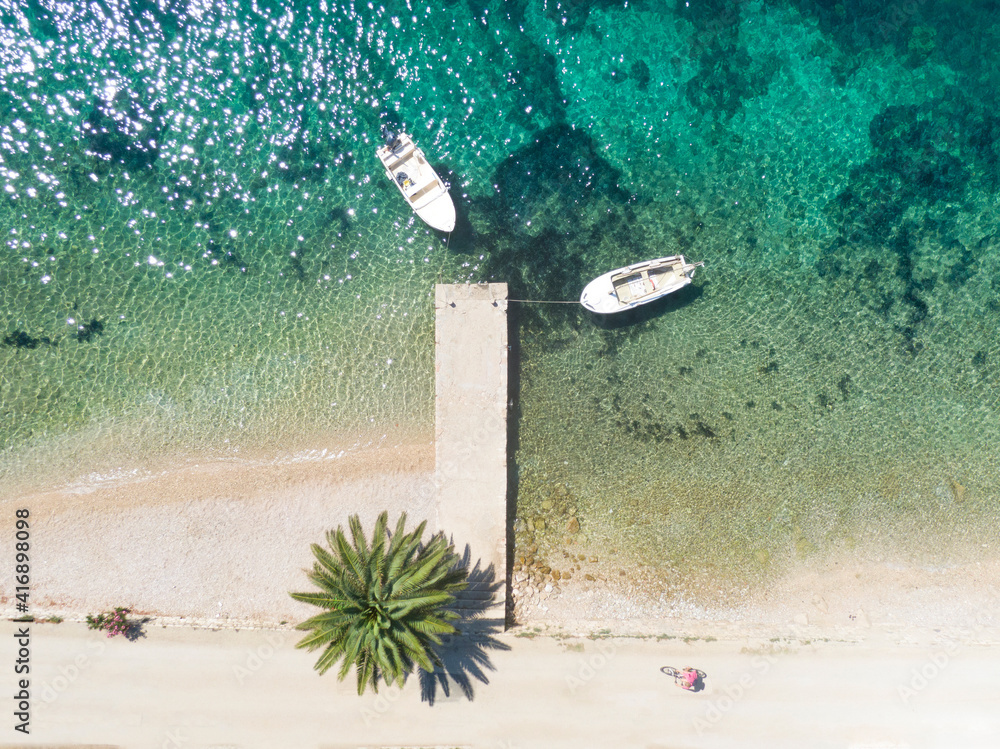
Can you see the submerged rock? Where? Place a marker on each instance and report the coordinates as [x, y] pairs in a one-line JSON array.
[[85, 332], [20, 339]]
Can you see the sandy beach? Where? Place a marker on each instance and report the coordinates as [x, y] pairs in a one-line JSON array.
[[222, 541]]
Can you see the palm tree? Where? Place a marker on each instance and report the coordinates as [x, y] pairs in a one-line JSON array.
[[386, 604]]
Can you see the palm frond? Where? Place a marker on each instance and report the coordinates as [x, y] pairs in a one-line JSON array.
[[326, 560], [350, 556], [422, 569], [318, 638], [433, 626], [405, 607], [358, 539], [329, 659], [417, 650], [377, 557], [354, 648], [367, 675], [402, 555], [325, 600]]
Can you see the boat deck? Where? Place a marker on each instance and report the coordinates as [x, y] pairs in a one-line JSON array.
[[421, 180], [640, 283]]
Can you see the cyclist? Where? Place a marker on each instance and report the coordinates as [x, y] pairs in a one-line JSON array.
[[688, 678]]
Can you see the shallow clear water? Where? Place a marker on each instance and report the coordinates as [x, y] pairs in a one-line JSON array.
[[201, 254]]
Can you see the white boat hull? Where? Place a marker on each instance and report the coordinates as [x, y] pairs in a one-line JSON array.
[[421, 187], [634, 285]]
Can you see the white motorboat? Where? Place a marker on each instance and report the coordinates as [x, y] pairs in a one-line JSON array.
[[410, 171], [637, 284]]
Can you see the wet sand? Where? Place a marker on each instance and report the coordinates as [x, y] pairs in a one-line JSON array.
[[836, 598]]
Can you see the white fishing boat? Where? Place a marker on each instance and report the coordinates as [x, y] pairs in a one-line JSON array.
[[410, 171], [637, 284]]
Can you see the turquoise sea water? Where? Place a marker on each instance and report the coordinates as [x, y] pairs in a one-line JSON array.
[[202, 256]]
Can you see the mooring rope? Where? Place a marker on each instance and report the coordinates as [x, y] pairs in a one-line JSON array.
[[521, 301]]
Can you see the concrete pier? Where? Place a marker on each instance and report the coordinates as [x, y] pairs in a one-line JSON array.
[[471, 420]]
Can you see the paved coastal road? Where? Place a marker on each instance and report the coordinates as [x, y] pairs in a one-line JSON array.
[[181, 688]]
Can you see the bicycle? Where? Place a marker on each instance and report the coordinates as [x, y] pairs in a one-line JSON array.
[[681, 680]]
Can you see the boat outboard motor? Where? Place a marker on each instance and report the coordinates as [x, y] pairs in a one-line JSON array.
[[390, 138]]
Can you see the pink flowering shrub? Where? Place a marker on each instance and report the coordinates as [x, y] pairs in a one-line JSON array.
[[114, 622]]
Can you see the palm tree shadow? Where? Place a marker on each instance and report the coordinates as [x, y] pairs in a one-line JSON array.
[[465, 656]]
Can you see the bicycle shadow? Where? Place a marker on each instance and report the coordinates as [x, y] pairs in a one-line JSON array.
[[465, 657]]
